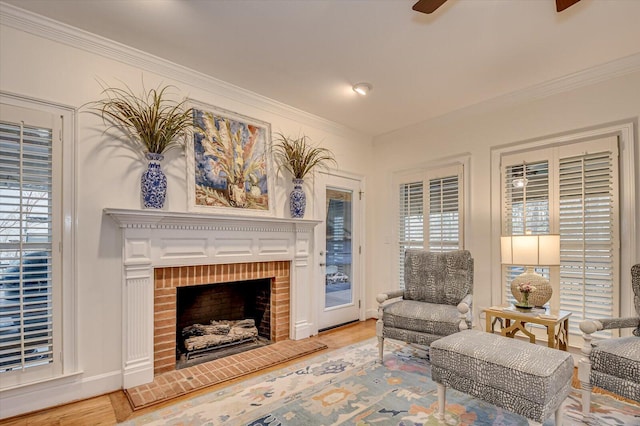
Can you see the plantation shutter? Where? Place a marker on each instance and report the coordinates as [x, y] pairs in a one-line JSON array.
[[526, 209], [444, 213], [588, 197], [443, 230], [572, 190], [26, 229], [410, 221]]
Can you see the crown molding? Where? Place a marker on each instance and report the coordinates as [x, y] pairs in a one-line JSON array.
[[41, 26], [596, 74], [586, 77], [50, 29]]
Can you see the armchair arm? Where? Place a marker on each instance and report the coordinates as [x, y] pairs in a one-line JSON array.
[[465, 304], [591, 326], [610, 323], [464, 308], [382, 297]]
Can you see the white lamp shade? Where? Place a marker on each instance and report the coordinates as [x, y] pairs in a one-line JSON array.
[[530, 250]]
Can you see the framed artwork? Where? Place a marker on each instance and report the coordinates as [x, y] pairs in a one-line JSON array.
[[229, 163]]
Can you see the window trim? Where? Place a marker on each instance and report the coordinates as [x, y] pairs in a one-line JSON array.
[[628, 175], [66, 243]]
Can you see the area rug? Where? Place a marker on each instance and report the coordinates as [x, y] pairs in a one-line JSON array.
[[349, 387]]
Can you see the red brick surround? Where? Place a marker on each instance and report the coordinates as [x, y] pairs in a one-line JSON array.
[[166, 280]]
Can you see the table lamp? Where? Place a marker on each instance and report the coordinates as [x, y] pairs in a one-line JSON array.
[[530, 251]]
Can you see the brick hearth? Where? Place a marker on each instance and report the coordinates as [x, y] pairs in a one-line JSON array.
[[167, 280], [173, 384]]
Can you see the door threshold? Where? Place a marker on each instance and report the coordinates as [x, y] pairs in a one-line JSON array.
[[337, 326]]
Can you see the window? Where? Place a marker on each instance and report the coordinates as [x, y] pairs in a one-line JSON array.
[[443, 204], [526, 208], [573, 191], [31, 212]]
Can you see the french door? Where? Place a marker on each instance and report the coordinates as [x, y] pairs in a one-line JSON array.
[[339, 250]]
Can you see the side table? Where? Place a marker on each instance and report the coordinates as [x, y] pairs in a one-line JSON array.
[[557, 325]]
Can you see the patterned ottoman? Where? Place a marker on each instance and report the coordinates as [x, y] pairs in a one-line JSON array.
[[526, 379]]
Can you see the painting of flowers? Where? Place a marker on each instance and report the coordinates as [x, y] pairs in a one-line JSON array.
[[229, 161]]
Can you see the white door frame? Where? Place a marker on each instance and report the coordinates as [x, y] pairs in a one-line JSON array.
[[323, 180]]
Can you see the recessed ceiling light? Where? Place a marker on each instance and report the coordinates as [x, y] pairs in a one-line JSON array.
[[362, 88]]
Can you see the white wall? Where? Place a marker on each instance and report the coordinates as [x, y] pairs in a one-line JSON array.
[[61, 65], [476, 133]]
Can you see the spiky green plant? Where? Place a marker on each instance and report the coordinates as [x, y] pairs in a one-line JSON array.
[[298, 156], [150, 119]]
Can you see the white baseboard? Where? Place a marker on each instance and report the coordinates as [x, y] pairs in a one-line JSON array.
[[38, 396], [302, 330]]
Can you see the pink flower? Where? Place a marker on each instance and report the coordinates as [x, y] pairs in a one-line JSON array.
[[526, 288]]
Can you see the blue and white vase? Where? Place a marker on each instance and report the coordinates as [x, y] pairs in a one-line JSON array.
[[154, 183], [297, 199]]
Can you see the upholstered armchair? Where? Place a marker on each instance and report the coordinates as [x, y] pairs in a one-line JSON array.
[[612, 364], [435, 302]]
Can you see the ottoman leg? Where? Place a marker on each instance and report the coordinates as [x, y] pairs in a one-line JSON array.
[[442, 397]]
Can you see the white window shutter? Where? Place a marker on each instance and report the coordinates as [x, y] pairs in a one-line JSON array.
[[571, 190], [410, 221], [439, 193], [26, 228], [444, 207], [526, 209], [588, 223]]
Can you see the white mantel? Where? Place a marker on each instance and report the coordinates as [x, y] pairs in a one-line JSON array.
[[157, 238]]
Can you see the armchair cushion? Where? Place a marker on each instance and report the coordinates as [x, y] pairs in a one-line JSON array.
[[616, 366], [438, 277], [635, 284], [423, 317], [617, 357]]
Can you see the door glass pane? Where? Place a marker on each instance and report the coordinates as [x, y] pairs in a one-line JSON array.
[[338, 288]]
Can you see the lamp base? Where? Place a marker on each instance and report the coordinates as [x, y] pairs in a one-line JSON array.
[[543, 289]]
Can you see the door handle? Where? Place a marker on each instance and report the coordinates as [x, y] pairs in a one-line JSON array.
[[323, 264]]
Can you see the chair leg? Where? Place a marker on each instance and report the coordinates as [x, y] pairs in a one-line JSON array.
[[558, 416], [584, 373], [380, 348], [586, 401]]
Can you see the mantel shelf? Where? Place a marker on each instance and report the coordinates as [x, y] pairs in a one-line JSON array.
[[129, 218]]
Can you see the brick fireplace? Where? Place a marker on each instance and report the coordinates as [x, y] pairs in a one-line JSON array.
[[168, 280], [162, 251]]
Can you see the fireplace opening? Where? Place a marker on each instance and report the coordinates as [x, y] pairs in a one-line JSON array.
[[218, 320]]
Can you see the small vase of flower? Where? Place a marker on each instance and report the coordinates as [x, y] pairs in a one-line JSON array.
[[299, 157], [525, 289], [152, 123]]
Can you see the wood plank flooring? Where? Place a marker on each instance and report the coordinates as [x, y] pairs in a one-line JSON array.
[[114, 407]]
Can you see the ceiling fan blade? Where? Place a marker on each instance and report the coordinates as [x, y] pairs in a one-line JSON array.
[[429, 6], [564, 4]]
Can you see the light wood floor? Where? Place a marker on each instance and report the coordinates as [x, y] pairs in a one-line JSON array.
[[113, 408]]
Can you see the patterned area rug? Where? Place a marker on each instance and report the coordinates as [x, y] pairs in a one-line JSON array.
[[348, 387]]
